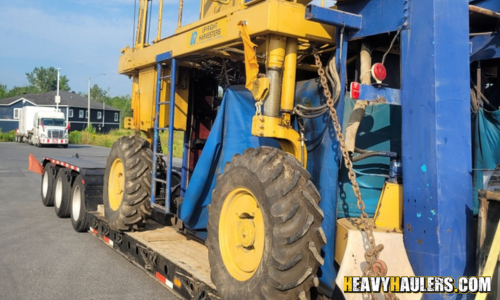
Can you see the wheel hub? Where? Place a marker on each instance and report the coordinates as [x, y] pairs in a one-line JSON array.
[[246, 233], [116, 184], [241, 234]]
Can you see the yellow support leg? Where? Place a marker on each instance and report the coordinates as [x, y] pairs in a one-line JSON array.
[[492, 261]]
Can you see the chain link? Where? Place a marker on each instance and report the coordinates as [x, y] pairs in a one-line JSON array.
[[258, 108], [373, 253]]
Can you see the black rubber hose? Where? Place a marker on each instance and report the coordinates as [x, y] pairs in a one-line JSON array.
[[366, 153]]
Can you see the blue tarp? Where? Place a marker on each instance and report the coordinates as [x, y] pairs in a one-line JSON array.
[[230, 135], [486, 151]]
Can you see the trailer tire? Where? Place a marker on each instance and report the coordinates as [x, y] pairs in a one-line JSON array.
[[47, 186], [79, 215], [62, 193], [127, 184], [264, 228]]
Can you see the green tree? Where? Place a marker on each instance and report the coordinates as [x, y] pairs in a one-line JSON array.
[[123, 103], [98, 94], [20, 90], [45, 80], [3, 91]]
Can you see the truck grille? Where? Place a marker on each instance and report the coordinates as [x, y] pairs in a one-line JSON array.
[[56, 134]]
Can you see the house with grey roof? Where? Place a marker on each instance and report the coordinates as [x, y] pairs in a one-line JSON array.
[[102, 117]]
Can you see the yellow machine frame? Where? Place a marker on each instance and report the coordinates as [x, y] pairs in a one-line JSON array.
[[274, 25]]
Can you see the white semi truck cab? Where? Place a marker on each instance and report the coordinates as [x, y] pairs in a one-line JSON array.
[[50, 128]]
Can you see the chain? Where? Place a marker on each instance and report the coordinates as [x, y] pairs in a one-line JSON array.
[[258, 108], [373, 253]]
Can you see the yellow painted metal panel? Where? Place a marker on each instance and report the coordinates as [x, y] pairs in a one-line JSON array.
[[280, 17], [389, 213], [147, 89], [208, 33], [181, 100]]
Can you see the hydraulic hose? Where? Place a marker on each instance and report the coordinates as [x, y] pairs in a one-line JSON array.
[[359, 108]]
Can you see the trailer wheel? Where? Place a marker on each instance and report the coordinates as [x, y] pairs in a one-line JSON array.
[[47, 188], [264, 228], [62, 193], [127, 184], [79, 215]]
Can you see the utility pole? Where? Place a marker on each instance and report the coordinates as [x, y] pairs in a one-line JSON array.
[[58, 98]]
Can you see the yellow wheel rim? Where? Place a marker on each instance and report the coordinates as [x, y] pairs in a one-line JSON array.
[[241, 234], [116, 184]]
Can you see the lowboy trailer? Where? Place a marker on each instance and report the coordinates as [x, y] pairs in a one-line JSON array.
[[163, 252]]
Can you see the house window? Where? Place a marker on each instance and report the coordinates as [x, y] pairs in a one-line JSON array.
[[17, 112], [70, 113], [80, 114], [99, 115], [116, 117], [86, 115]]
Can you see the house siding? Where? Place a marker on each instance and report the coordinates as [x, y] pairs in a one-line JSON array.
[[7, 121], [78, 123]]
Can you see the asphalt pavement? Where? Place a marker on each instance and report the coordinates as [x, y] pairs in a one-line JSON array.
[[42, 257]]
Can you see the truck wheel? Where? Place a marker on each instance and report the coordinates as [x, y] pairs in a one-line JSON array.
[[47, 189], [127, 184], [62, 193], [264, 228], [79, 216]]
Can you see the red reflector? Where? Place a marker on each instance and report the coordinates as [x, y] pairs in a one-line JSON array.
[[355, 86], [379, 72], [160, 277], [83, 181]]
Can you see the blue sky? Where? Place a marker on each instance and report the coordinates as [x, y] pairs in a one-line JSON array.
[[83, 37]]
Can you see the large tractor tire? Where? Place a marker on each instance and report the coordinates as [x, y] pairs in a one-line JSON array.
[[79, 215], [127, 184], [47, 186], [264, 228]]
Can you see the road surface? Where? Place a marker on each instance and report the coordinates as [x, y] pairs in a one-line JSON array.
[[42, 257]]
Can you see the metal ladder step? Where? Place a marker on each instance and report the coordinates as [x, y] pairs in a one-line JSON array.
[[161, 154], [160, 180], [163, 103]]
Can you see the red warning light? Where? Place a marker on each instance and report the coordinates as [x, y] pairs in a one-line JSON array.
[[355, 87], [379, 72]]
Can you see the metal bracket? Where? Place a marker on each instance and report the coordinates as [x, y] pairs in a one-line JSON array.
[[164, 56], [333, 17]]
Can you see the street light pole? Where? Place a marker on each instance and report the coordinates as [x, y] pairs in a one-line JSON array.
[[88, 95], [58, 98]]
